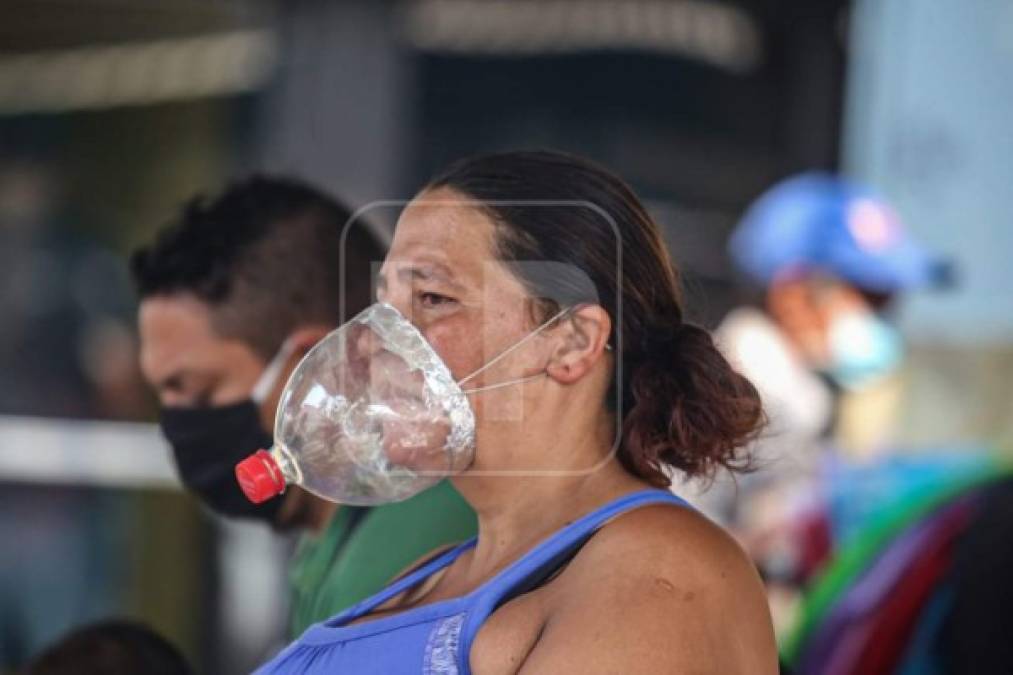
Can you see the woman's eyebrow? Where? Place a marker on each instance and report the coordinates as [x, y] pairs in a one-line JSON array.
[[427, 272]]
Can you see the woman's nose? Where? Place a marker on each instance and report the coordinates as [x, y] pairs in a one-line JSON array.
[[402, 303], [398, 296]]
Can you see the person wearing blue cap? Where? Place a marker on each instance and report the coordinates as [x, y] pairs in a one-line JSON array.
[[827, 256], [830, 255]]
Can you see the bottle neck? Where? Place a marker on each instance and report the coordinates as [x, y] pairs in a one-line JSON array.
[[286, 462]]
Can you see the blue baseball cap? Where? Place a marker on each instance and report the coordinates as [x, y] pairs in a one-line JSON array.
[[818, 222]]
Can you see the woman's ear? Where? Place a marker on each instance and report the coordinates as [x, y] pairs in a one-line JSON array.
[[585, 332]]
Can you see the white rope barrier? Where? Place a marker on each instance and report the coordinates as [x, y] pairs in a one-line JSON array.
[[83, 452]]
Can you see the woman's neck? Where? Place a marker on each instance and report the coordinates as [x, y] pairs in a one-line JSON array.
[[531, 478], [516, 511]]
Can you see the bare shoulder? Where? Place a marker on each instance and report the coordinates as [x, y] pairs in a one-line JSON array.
[[670, 551], [672, 540], [661, 586]]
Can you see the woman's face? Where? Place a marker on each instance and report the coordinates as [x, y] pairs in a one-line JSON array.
[[441, 273]]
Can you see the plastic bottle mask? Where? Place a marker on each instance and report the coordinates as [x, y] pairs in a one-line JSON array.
[[371, 415]]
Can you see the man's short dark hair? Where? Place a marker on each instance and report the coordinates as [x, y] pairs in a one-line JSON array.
[[265, 254]]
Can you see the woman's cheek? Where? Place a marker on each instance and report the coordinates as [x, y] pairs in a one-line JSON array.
[[461, 354]]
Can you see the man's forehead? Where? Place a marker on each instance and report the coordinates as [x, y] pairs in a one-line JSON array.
[[177, 315], [176, 333]]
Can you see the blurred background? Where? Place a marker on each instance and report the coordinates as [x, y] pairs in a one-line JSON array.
[[113, 112]]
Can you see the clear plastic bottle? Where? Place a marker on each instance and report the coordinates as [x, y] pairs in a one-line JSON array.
[[370, 415]]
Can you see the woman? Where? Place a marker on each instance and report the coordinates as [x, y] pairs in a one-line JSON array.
[[584, 562]]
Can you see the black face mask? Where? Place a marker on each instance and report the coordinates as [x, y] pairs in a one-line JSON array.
[[207, 443]]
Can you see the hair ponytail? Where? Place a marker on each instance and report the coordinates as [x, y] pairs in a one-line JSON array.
[[685, 407]]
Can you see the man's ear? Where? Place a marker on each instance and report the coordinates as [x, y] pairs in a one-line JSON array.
[[585, 333], [305, 338]]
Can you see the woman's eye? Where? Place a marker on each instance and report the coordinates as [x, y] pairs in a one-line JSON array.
[[434, 299]]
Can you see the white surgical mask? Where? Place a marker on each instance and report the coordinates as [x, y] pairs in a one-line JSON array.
[[864, 348], [265, 383]]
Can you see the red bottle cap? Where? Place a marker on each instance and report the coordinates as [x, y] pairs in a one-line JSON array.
[[259, 477]]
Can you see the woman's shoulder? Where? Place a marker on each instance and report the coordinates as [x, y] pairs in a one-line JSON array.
[[665, 578], [668, 540]]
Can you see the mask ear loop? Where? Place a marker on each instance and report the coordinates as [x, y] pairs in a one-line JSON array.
[[506, 351], [267, 380], [502, 384]]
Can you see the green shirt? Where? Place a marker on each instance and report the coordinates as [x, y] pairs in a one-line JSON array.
[[362, 549]]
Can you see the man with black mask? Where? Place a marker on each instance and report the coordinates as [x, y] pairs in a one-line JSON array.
[[233, 293]]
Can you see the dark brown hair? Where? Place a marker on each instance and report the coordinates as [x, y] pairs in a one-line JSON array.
[[113, 647], [682, 405]]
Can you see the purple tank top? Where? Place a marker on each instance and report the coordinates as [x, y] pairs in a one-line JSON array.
[[436, 639]]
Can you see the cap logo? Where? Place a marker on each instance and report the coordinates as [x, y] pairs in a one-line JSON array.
[[874, 225]]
